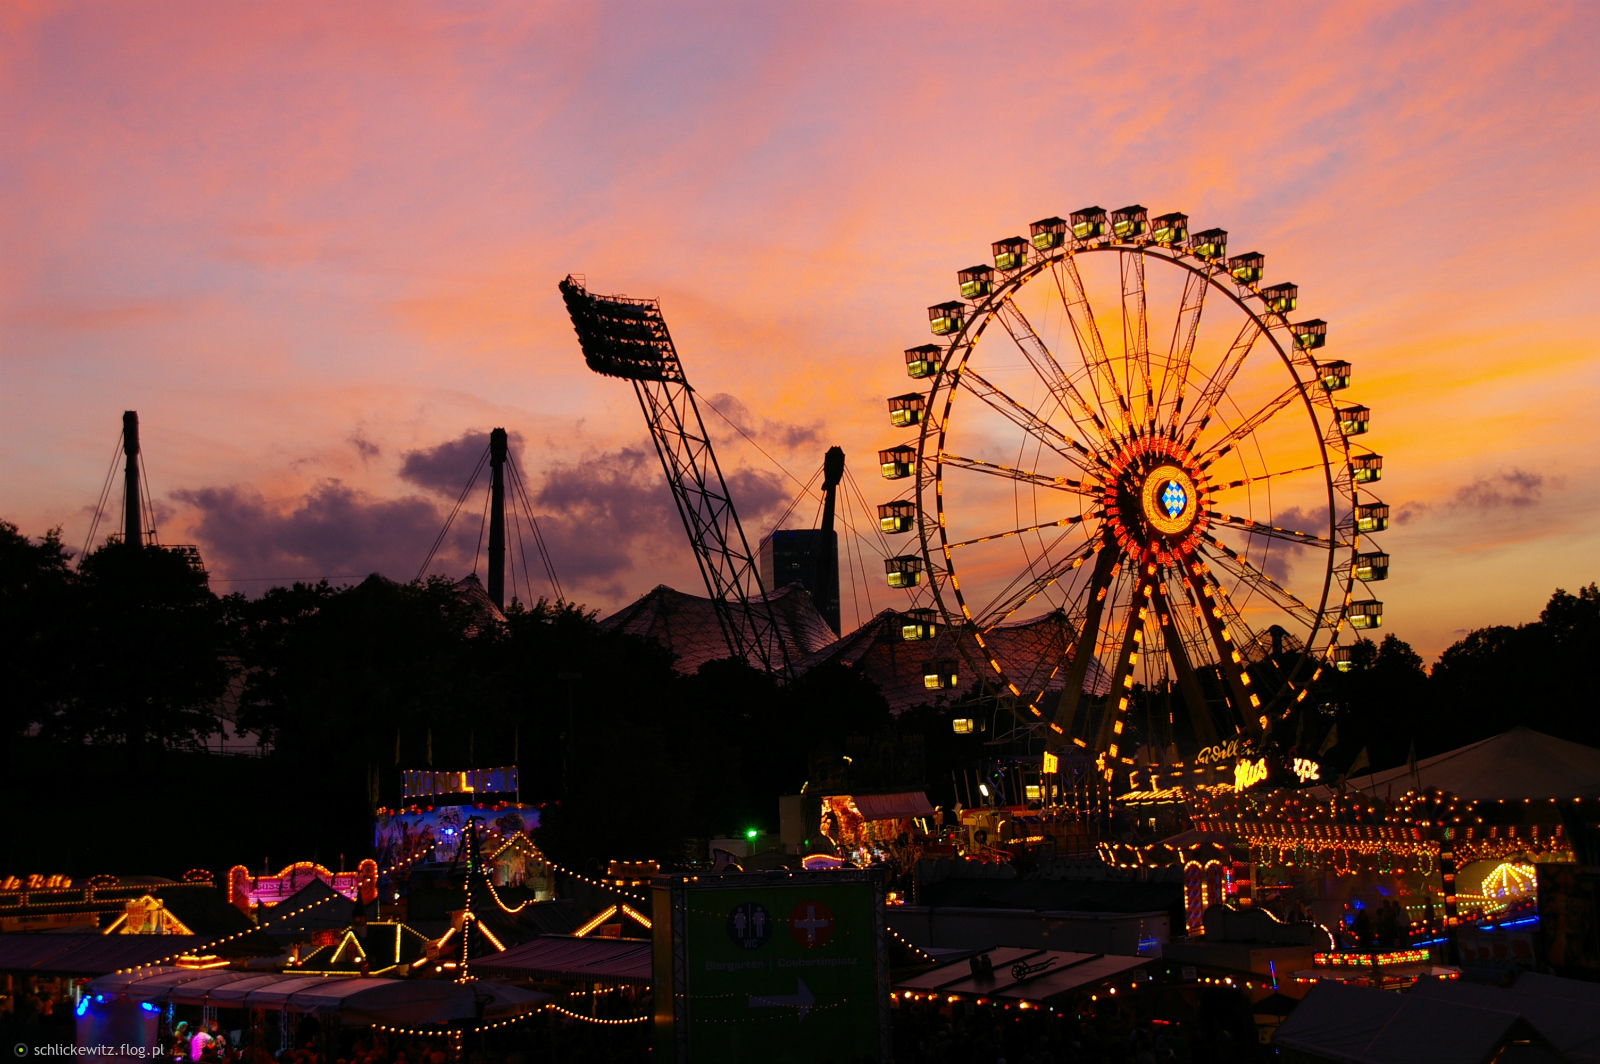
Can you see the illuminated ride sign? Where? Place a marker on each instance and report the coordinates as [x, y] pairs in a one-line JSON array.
[[1385, 958], [1212, 755], [1249, 773], [423, 783]]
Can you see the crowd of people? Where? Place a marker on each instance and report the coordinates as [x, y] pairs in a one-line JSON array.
[[203, 1042], [1387, 927], [548, 1038]]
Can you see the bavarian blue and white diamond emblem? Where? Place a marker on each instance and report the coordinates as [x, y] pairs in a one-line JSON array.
[[1174, 499]]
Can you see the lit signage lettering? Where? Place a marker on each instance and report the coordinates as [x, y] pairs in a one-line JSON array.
[[1211, 755], [1249, 773], [1306, 770]]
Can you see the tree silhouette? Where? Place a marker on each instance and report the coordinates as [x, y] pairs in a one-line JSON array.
[[149, 657], [36, 631]]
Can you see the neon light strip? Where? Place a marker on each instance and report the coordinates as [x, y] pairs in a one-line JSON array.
[[596, 922], [1367, 960]]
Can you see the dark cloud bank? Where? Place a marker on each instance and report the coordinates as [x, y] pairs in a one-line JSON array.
[[605, 518]]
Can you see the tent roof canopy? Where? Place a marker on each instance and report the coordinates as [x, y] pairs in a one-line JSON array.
[[554, 956], [1520, 763], [892, 806], [1336, 1021], [88, 954], [1066, 974], [1563, 1010], [363, 1000]]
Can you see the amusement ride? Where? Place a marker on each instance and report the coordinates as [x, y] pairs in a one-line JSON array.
[[1126, 429]]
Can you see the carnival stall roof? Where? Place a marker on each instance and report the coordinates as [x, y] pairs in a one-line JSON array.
[[191, 907], [314, 907], [1019, 974], [892, 806], [558, 956], [1360, 1025], [355, 1001], [1057, 895], [379, 946], [204, 912], [92, 954], [1517, 764], [1565, 1010]]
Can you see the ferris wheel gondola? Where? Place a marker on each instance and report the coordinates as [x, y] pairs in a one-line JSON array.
[[1193, 505]]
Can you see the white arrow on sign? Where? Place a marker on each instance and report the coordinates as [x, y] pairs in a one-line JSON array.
[[802, 1000]]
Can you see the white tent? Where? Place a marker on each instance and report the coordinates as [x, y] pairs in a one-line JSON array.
[[1517, 764], [1345, 1024]]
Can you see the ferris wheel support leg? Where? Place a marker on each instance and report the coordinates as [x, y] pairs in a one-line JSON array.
[[1109, 737], [1205, 729], [1230, 661], [1105, 564]]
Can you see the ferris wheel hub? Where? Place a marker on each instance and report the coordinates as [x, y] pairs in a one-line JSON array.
[[1153, 498], [1168, 500]]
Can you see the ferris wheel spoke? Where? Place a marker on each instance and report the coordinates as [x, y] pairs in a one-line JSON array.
[[1217, 448], [1091, 348], [1180, 354], [1056, 380], [1031, 582], [1244, 635], [1041, 651], [1042, 480], [1064, 522], [1256, 528], [1216, 614], [1238, 566], [1136, 333], [1217, 384], [1186, 617], [1246, 482], [1023, 418]]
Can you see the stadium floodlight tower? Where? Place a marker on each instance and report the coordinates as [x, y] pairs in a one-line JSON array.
[[628, 338]]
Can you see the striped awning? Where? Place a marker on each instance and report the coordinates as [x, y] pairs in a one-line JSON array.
[[892, 806]]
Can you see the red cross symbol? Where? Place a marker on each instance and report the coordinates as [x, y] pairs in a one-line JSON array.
[[811, 924]]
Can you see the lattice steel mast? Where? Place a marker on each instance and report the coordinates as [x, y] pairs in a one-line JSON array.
[[628, 338]]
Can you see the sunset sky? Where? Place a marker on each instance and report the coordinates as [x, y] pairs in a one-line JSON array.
[[317, 247]]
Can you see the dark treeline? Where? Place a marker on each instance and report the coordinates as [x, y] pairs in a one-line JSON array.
[[1535, 675], [121, 671]]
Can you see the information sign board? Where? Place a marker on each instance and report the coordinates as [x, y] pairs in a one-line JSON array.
[[770, 966]]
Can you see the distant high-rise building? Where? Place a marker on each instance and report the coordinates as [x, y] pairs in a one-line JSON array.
[[796, 555]]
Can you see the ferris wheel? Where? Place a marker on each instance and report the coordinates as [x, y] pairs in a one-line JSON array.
[[1124, 431]]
